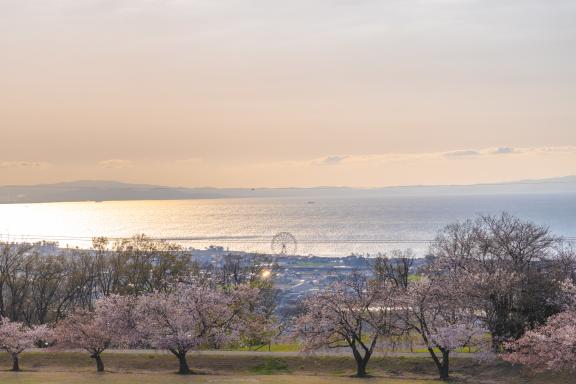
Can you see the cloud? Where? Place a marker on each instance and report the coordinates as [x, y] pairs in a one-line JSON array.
[[24, 164], [416, 160], [548, 150], [116, 163], [509, 151], [454, 154], [330, 160], [462, 153], [503, 151]]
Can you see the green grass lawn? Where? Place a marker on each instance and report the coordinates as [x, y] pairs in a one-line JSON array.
[[294, 347], [159, 378], [285, 347], [236, 367]]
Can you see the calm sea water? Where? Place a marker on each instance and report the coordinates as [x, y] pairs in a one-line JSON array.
[[331, 226]]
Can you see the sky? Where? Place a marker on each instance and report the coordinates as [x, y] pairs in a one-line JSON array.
[[270, 93]]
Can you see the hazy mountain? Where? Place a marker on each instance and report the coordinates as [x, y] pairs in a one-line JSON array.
[[112, 190]]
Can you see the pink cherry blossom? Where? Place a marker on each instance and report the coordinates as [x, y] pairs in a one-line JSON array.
[[108, 325], [435, 308], [548, 347], [351, 314], [193, 317], [16, 337]]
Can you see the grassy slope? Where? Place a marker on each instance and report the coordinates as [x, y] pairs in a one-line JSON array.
[[123, 368], [159, 378]]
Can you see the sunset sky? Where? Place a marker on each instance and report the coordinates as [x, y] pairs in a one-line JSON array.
[[251, 93]]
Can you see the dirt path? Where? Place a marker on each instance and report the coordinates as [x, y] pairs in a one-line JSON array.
[[343, 352]]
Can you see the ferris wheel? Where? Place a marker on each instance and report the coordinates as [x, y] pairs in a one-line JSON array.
[[284, 243]]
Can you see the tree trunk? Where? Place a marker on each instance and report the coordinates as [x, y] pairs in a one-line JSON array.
[[99, 362], [361, 367], [15, 363], [184, 369], [361, 361], [442, 365], [495, 343], [445, 366]]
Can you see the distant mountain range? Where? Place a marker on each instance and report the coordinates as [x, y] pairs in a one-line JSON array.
[[112, 190]]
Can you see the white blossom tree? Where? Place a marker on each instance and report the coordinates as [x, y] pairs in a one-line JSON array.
[[438, 312], [109, 325], [551, 346], [16, 337], [354, 314], [512, 268], [191, 317]]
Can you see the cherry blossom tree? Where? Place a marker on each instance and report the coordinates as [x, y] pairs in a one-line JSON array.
[[438, 312], [512, 267], [551, 346], [16, 337], [353, 314], [258, 329], [110, 324], [191, 317]]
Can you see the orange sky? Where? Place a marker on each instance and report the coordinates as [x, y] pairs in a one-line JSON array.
[[287, 93]]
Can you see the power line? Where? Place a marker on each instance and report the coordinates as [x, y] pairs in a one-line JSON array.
[[263, 240], [235, 239]]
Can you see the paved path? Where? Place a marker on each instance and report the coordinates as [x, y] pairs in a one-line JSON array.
[[342, 352]]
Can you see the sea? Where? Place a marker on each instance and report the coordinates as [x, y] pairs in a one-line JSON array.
[[321, 226]]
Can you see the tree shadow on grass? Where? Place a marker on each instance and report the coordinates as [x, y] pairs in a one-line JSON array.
[[270, 366]]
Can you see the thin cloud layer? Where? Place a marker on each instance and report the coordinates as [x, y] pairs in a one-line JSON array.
[[116, 163], [462, 153], [23, 164], [455, 154], [467, 166], [330, 160]]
